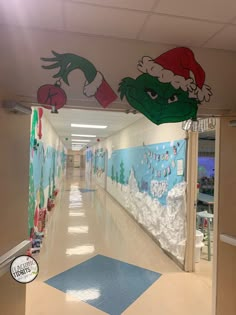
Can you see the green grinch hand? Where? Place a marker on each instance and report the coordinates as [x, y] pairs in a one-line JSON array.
[[69, 62], [159, 102], [95, 84]]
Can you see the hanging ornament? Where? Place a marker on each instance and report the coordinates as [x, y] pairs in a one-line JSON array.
[[52, 96]]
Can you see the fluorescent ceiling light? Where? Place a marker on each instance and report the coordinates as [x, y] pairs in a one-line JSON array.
[[88, 126], [80, 140], [77, 146], [87, 136]]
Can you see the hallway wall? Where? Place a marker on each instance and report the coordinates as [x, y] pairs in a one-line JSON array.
[[47, 166], [166, 224], [14, 183], [226, 254]]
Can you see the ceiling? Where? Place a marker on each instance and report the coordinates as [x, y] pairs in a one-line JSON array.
[[114, 121], [201, 23]]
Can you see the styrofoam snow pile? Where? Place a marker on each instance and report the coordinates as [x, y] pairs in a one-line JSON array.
[[167, 223]]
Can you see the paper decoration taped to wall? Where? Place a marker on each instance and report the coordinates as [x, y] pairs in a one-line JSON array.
[[170, 87], [180, 167], [95, 84], [155, 178]]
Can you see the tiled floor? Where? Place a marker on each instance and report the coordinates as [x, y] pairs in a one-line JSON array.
[[96, 260]]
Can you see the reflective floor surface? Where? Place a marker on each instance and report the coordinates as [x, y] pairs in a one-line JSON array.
[[96, 260]]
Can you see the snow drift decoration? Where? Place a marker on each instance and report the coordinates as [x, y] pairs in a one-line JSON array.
[[167, 223]]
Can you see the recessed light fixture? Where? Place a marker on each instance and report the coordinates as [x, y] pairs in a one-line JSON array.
[[80, 140], [88, 126], [87, 136]]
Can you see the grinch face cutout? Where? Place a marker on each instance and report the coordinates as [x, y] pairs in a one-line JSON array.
[[165, 92]]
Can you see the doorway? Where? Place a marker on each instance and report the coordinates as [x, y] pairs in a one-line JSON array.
[[205, 217]]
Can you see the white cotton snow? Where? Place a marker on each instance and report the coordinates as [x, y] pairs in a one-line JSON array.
[[167, 223]]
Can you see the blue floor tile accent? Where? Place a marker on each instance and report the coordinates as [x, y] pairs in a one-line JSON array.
[[84, 190], [105, 283]]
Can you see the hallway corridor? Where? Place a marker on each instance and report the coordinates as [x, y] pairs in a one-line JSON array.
[[85, 230]]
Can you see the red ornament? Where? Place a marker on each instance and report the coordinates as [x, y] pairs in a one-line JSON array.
[[51, 96]]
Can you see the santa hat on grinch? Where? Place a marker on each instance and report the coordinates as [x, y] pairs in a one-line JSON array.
[[179, 67]]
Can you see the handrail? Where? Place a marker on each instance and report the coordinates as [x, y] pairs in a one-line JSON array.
[[7, 258], [231, 240]]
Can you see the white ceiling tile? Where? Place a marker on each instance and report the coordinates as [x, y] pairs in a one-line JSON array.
[[103, 21], [43, 13], [226, 39], [215, 10], [178, 31], [114, 120], [129, 4]]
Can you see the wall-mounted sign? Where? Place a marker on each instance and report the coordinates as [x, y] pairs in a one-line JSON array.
[[200, 125]]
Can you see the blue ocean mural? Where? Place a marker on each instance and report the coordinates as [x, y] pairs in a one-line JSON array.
[[157, 168]]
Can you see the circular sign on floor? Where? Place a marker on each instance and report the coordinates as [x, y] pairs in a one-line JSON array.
[[24, 269]]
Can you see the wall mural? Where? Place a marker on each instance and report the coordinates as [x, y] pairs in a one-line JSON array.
[[99, 165], [149, 181], [46, 166], [169, 89], [99, 162]]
